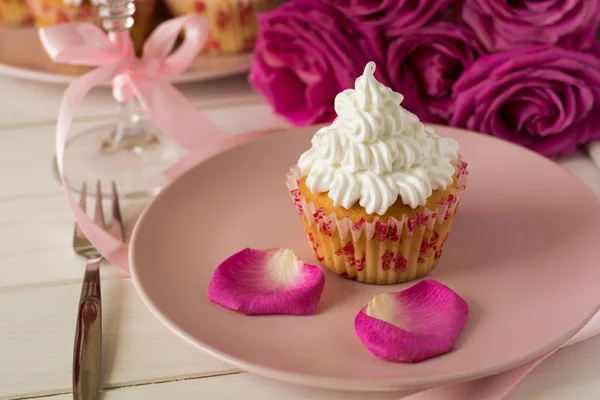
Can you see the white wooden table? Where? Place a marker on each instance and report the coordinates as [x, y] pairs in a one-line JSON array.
[[40, 277]]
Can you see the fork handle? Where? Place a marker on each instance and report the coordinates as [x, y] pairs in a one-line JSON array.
[[88, 337]]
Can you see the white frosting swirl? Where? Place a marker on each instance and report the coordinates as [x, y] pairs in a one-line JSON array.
[[376, 151]]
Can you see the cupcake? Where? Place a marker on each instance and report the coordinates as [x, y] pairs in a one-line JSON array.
[[233, 25], [51, 12], [377, 191], [14, 12]]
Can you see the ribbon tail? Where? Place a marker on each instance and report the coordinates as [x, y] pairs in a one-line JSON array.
[[592, 328], [174, 114], [115, 251], [212, 149], [496, 387]]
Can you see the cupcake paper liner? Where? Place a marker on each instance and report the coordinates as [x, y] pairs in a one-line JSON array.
[[377, 252], [233, 25]]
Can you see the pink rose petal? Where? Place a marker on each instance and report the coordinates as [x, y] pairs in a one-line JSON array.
[[412, 325], [269, 281]]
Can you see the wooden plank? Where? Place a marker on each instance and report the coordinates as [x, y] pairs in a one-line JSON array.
[[572, 373], [17, 95], [584, 168], [36, 341], [36, 237], [26, 162], [232, 387]]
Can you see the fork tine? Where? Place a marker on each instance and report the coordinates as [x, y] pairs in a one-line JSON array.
[[82, 204], [99, 214], [83, 196], [116, 224]]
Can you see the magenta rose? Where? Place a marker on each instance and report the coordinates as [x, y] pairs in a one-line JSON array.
[[544, 98], [397, 15], [306, 53], [424, 64], [505, 25]]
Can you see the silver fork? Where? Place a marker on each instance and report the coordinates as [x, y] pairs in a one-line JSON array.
[[88, 334]]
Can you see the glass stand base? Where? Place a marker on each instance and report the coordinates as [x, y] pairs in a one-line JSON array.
[[136, 162]]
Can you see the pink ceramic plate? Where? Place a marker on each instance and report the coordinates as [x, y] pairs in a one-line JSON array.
[[523, 252]]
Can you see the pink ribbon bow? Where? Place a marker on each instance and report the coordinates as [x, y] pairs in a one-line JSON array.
[[144, 78]]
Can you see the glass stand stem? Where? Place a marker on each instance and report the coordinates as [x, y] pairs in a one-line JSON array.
[[129, 133]]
